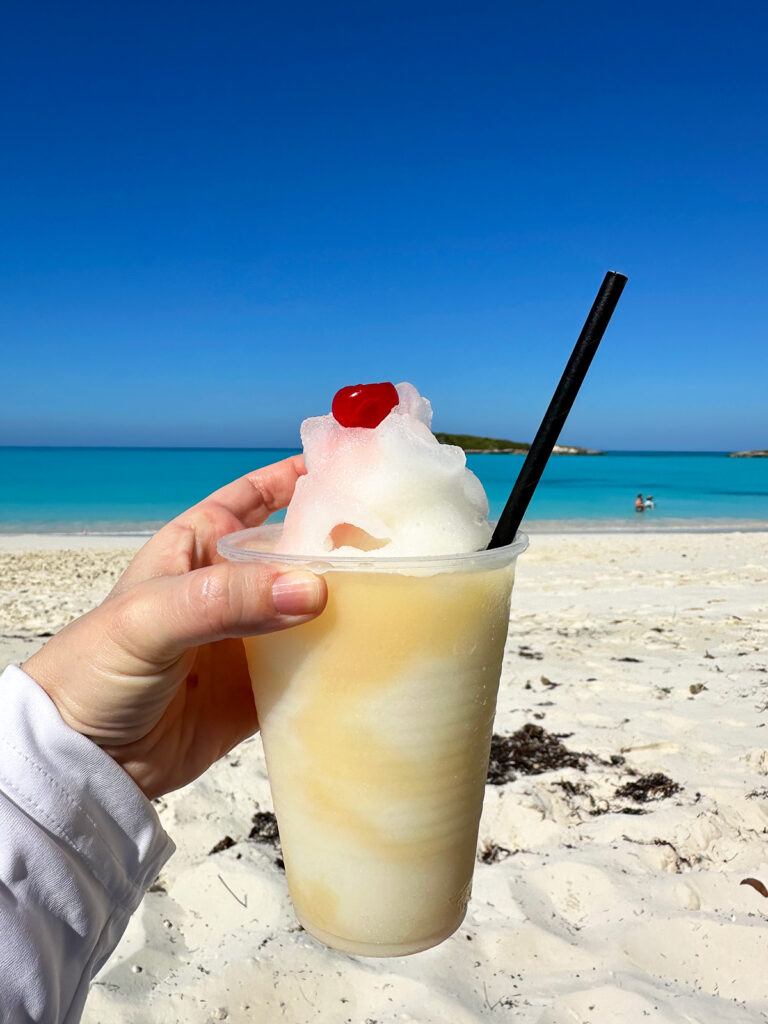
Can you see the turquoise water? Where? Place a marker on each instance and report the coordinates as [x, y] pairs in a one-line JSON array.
[[119, 489], [698, 488]]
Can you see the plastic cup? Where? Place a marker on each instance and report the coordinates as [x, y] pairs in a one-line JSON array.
[[376, 719]]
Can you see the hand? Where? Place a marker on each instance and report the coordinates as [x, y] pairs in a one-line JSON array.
[[153, 675]]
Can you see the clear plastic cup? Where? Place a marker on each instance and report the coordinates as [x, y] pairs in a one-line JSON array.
[[376, 719]]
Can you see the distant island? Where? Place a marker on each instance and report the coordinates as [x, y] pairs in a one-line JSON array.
[[758, 453], [499, 446]]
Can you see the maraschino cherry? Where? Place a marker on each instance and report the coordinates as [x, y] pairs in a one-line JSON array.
[[364, 405]]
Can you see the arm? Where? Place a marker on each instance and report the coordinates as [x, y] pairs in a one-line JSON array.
[[80, 845]]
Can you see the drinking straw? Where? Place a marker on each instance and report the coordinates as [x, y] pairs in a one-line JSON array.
[[555, 416]]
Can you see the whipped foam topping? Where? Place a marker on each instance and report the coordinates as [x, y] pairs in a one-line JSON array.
[[389, 491]]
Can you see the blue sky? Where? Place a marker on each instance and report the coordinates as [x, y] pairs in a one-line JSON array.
[[214, 215]]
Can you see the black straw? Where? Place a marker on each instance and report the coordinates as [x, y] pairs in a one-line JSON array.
[[555, 416]]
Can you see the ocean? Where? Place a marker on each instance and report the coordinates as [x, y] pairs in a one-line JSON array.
[[115, 490]]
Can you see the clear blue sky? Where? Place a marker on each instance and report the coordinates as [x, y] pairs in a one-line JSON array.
[[213, 215]]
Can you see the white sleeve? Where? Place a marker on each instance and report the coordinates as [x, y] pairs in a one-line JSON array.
[[79, 846]]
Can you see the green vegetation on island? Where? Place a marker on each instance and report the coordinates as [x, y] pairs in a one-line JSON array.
[[756, 453], [500, 446], [470, 443]]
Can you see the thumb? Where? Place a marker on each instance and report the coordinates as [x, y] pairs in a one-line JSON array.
[[163, 617]]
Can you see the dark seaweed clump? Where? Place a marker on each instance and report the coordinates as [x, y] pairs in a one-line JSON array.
[[492, 853], [223, 844], [656, 786], [530, 751], [265, 829]]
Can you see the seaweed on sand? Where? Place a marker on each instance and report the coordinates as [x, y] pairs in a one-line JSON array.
[[492, 853], [530, 751], [223, 844], [656, 786], [265, 829]]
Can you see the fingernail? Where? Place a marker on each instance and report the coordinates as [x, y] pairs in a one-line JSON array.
[[296, 593]]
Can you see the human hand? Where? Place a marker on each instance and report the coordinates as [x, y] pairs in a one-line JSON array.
[[156, 675]]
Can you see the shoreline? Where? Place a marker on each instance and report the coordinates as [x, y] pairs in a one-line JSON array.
[[15, 539], [642, 528]]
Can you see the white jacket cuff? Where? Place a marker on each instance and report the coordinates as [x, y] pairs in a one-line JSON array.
[[79, 845], [77, 792]]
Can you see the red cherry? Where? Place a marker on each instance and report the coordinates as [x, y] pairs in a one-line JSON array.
[[364, 405]]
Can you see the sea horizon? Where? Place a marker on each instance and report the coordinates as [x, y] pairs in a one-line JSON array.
[[136, 488], [297, 449]]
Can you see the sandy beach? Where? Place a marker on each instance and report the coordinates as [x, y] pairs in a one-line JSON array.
[[608, 888]]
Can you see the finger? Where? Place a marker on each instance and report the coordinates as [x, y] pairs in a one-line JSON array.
[[161, 618], [255, 496], [189, 540]]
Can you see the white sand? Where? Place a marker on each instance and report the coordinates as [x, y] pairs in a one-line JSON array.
[[592, 917]]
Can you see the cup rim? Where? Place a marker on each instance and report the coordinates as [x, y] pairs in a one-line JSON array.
[[230, 547]]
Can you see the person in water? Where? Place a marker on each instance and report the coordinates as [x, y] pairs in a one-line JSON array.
[[639, 503], [649, 502]]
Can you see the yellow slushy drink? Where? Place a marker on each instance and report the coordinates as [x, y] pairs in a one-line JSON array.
[[377, 716]]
